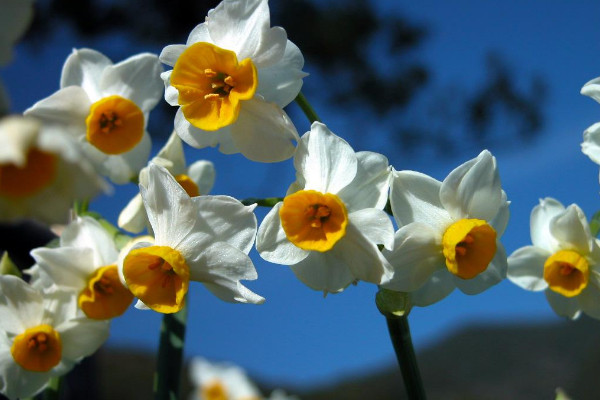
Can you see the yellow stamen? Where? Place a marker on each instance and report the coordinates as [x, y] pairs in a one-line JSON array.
[[469, 245], [38, 349], [567, 272], [38, 173], [115, 125], [211, 84], [313, 220], [104, 297], [188, 185], [159, 276]]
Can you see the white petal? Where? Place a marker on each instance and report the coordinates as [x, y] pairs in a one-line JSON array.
[[173, 151], [438, 287], [244, 27], [171, 93], [417, 255], [324, 272], [370, 186], [473, 189], [199, 139], [137, 79], [415, 197], [171, 53], [541, 215], [170, 210], [500, 221], [263, 132], [273, 245], [199, 34], [220, 268], [361, 256], [82, 337], [133, 217], [203, 174], [68, 108], [17, 136], [281, 82], [375, 225], [226, 219], [68, 267], [84, 68], [563, 306], [526, 268], [571, 229], [86, 232], [589, 301], [123, 168], [326, 162], [20, 305], [592, 89], [591, 142], [494, 273]]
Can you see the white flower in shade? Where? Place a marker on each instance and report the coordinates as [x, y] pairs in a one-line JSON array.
[[231, 80], [14, 20], [106, 107], [197, 179], [205, 239], [329, 225], [449, 232], [85, 262], [563, 260], [221, 381], [40, 337], [42, 171]]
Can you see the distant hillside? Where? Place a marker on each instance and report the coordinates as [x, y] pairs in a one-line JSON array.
[[485, 363]]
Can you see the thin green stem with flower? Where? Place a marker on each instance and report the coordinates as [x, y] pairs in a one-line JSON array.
[[310, 112]]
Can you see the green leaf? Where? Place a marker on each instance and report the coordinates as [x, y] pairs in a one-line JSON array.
[[8, 267], [595, 224]]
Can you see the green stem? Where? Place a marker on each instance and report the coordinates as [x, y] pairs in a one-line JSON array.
[[52, 391], [400, 335], [167, 379], [81, 206], [307, 108], [268, 202]]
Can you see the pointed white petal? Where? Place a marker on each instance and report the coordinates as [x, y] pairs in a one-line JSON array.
[[173, 151], [86, 232], [572, 231], [375, 225], [263, 132], [68, 267], [592, 89], [473, 189], [171, 93], [526, 268], [133, 217], [563, 306], [203, 174], [494, 273], [415, 197], [370, 186], [137, 79], [199, 34], [82, 337], [500, 221], [438, 287], [171, 53], [123, 168], [84, 68], [20, 305], [589, 301], [326, 162], [541, 215], [591, 142], [324, 272], [273, 245], [199, 139], [417, 255]]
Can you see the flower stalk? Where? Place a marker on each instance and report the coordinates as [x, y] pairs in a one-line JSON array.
[[310, 113]]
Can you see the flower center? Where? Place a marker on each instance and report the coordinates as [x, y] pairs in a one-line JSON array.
[[188, 185], [38, 173], [469, 245], [312, 220], [158, 276], [211, 83], [104, 297], [38, 349], [114, 125], [214, 391], [567, 272]]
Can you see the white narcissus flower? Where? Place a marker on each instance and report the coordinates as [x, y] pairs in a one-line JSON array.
[[42, 172], [205, 239], [591, 136], [329, 225], [40, 337], [14, 20], [221, 381], [85, 262], [231, 80], [449, 232], [197, 179], [106, 107], [563, 260]]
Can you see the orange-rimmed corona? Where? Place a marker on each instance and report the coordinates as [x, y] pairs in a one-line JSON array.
[[211, 84], [38, 349], [38, 172], [188, 185], [104, 297], [567, 272], [469, 245], [313, 220]]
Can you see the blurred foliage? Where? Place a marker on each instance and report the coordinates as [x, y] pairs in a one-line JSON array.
[[364, 66]]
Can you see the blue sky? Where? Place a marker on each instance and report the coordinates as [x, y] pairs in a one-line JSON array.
[[299, 337]]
